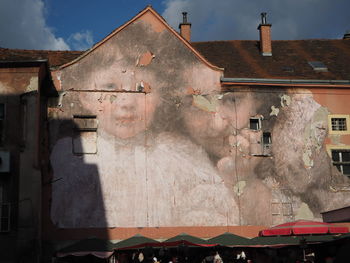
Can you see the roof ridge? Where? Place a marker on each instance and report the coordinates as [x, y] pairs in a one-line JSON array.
[[42, 50], [277, 40]]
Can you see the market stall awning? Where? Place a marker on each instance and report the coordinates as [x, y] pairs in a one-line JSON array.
[[229, 239], [137, 241], [186, 239], [92, 246], [282, 241], [303, 227]]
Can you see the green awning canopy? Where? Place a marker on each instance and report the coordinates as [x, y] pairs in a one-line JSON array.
[[136, 241], [229, 239], [186, 237]]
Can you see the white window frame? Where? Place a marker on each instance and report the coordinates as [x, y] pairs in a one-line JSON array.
[[258, 121], [331, 148], [84, 124]]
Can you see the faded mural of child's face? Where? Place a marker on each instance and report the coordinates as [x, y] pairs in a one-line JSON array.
[[125, 113], [128, 114], [212, 129]]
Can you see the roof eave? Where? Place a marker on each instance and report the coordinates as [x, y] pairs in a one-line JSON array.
[[27, 63], [317, 83], [148, 8]]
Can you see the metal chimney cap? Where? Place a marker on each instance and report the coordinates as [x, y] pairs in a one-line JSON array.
[[263, 18], [347, 34], [184, 17]]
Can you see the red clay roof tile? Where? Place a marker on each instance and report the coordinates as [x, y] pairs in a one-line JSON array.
[[289, 60], [55, 58], [242, 58]]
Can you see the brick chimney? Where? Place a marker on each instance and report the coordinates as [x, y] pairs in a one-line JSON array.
[[185, 28], [265, 36]]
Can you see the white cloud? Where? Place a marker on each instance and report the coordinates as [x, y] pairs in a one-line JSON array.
[[23, 25], [238, 19], [81, 40]]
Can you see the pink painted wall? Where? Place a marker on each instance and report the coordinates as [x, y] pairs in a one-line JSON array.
[[164, 147]]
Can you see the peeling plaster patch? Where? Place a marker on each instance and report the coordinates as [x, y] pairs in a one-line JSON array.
[[146, 87], [112, 98], [219, 96], [203, 103], [33, 85], [60, 98], [145, 59], [335, 138], [143, 87], [192, 91], [304, 212], [274, 111], [318, 126], [314, 134], [285, 100], [308, 162], [239, 187], [56, 77]]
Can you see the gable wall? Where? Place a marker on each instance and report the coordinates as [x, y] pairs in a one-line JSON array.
[[180, 155]]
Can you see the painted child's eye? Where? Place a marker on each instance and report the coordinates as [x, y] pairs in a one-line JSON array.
[[110, 86]]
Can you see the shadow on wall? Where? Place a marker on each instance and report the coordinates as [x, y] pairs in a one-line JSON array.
[[74, 207]]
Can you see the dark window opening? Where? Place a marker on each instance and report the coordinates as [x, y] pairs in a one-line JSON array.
[[288, 69], [255, 124], [339, 124], [267, 138], [341, 160], [266, 143]]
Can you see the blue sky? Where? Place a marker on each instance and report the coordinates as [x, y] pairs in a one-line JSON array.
[[77, 24]]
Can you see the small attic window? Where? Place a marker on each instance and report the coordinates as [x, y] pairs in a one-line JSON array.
[[318, 66], [288, 69], [255, 124]]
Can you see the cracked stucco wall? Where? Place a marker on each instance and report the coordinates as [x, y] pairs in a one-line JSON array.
[[184, 150]]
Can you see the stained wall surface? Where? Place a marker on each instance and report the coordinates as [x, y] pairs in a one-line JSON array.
[[20, 185], [142, 136]]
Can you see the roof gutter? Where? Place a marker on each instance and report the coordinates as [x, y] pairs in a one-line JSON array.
[[317, 83], [26, 63]]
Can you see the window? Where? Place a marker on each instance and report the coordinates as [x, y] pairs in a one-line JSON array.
[[85, 134], [255, 124], [2, 122], [24, 122], [341, 160], [338, 124], [318, 66], [267, 138], [5, 217]]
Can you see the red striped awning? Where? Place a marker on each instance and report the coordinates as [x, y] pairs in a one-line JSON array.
[[303, 227]]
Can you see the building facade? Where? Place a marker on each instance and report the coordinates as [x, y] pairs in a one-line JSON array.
[[149, 133]]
